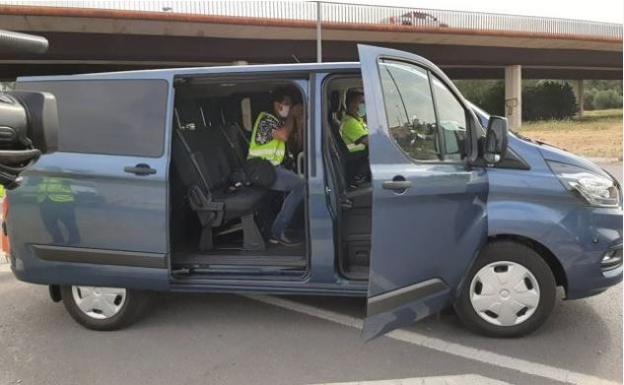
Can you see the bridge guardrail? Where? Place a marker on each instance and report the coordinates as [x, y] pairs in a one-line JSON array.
[[404, 18]]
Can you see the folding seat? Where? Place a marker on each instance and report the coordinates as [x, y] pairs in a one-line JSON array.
[[205, 161]]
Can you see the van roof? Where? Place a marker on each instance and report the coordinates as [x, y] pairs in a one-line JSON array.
[[191, 71]]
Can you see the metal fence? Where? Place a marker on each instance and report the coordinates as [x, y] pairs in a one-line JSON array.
[[365, 15]]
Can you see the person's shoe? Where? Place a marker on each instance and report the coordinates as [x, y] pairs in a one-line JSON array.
[[285, 240]]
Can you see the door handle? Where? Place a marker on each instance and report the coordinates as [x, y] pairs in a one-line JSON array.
[[397, 185], [140, 169]]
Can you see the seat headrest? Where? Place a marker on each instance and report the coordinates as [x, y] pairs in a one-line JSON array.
[[334, 101]]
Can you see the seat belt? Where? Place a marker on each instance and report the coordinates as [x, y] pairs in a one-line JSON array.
[[193, 160], [241, 161], [232, 145], [190, 153]]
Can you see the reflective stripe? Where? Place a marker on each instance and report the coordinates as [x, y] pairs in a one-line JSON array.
[[273, 151], [274, 156], [356, 147], [258, 151], [60, 198], [56, 190]]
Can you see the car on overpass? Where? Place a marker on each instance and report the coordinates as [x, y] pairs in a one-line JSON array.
[[448, 209], [417, 19]]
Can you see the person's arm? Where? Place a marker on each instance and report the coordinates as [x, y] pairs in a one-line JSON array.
[[295, 115], [363, 140], [284, 131]]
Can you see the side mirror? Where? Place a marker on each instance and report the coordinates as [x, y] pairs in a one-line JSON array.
[[495, 146]]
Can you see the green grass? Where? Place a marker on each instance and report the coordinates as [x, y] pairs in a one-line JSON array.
[[596, 134]]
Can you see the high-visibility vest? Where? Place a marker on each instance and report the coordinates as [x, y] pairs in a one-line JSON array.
[[351, 130], [56, 190], [273, 151]]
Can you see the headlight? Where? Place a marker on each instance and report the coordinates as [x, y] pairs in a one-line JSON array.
[[597, 190]]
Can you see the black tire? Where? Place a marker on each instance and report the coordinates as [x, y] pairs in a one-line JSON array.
[[134, 306], [528, 258]]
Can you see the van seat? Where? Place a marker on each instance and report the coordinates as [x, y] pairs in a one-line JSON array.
[[205, 161], [351, 163], [239, 202], [361, 196]]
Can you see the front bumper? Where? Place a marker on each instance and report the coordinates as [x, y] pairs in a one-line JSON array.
[[590, 273], [590, 279]]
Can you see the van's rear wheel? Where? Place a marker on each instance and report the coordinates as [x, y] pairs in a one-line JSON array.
[[510, 291], [103, 308]]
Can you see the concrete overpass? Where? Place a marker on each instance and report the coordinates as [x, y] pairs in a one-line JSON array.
[[88, 38]]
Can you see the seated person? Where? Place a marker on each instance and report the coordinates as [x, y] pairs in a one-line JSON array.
[[353, 130], [269, 136]]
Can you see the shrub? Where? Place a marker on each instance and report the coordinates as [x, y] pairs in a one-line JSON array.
[[540, 99], [548, 100], [494, 101], [487, 94], [607, 99], [588, 99]]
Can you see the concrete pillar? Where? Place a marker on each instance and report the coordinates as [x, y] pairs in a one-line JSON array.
[[513, 95], [577, 86]]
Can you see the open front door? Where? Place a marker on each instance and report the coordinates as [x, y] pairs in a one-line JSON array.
[[429, 217]]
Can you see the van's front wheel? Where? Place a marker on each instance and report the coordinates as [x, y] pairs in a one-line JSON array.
[[510, 291], [103, 308]]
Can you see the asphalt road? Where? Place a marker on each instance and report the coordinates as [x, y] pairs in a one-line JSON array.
[[230, 339]]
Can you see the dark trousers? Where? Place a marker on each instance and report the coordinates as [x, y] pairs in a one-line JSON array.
[[53, 215]]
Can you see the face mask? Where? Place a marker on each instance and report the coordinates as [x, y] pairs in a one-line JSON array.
[[362, 109], [283, 110]]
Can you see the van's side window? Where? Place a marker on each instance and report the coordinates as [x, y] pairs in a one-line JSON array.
[[113, 117], [409, 109], [451, 118], [425, 126]]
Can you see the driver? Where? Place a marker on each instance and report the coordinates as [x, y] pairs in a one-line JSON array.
[[353, 130]]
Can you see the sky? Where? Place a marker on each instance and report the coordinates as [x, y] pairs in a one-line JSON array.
[[596, 10]]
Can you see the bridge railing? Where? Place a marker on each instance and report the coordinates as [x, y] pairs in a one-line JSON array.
[[403, 18]]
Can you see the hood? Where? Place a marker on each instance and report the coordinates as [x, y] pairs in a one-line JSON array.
[[558, 155]]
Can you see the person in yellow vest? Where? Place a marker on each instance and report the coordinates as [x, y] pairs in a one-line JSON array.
[[56, 204], [353, 130], [354, 134], [269, 136]]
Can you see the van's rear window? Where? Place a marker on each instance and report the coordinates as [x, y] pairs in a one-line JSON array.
[[117, 117]]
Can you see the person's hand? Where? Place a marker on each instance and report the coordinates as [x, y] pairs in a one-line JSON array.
[[280, 134], [297, 111]]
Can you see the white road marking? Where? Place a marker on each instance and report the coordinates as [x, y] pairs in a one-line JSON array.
[[5, 268], [467, 352], [438, 380]]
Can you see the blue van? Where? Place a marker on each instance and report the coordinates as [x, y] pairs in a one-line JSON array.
[[454, 211]]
